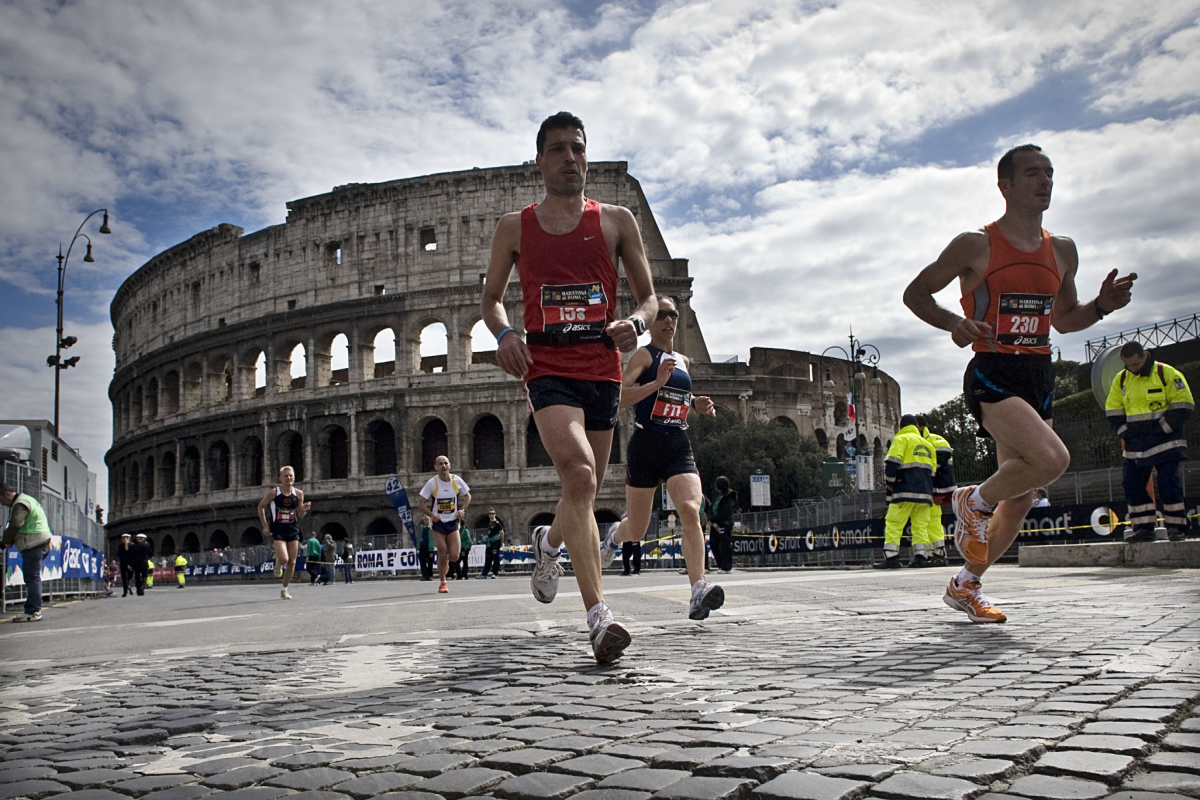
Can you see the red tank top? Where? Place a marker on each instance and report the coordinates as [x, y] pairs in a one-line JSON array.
[[1015, 297], [569, 286]]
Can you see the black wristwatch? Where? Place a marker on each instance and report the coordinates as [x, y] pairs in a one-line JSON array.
[[639, 324]]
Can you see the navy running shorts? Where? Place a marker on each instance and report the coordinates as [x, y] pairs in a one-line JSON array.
[[654, 457], [992, 377], [598, 399]]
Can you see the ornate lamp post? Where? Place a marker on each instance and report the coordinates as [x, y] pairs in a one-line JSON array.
[[860, 356], [61, 342]]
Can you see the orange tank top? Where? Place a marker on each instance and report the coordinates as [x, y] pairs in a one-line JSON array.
[[1015, 297]]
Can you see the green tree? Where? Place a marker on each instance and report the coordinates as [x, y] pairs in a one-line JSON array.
[[727, 445], [974, 457]]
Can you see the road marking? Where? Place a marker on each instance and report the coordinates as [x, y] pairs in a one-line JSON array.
[[165, 623]]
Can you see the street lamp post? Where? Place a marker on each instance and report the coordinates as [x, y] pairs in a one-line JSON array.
[[860, 355], [61, 342]]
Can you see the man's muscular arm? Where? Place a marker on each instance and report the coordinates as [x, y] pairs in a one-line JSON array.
[[960, 259], [637, 273], [1070, 314], [511, 353]]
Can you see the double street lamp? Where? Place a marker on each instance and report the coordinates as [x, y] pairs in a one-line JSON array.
[[56, 361], [859, 357]]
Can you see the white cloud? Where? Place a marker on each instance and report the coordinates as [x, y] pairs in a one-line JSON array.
[[85, 415]]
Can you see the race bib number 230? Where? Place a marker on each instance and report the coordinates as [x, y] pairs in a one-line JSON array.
[[1024, 319]]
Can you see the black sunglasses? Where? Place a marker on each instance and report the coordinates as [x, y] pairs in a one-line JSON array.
[[672, 313]]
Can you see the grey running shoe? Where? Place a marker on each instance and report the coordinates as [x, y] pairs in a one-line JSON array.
[[546, 570], [609, 549], [609, 639], [34, 617], [706, 597]]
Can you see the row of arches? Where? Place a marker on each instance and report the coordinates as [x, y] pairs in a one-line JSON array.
[[332, 358]]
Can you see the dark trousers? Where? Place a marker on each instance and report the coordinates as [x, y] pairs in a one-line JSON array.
[[1170, 494], [465, 552], [721, 541], [139, 577], [349, 568], [491, 559], [425, 559], [31, 573], [631, 551], [312, 568], [126, 577]]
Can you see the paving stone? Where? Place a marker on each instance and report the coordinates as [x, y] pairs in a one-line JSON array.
[[1019, 750], [1107, 767], [543, 786], [374, 763], [1182, 741], [928, 736], [318, 795], [1144, 796], [757, 768], [1149, 731], [980, 770], [694, 788], [150, 783], [1190, 725], [485, 747], [576, 744], [862, 772], [1174, 761], [376, 783], [1049, 787], [306, 760], [530, 759], [216, 766], [428, 745], [463, 782], [94, 777], [436, 763], [189, 791], [309, 779], [26, 774], [776, 727], [139, 736], [647, 780], [930, 787], [1135, 714], [738, 738], [597, 766], [408, 796], [92, 794], [800, 752], [1177, 782], [31, 788], [611, 794], [810, 786], [242, 777], [1029, 731], [689, 757], [1112, 744], [1067, 707]]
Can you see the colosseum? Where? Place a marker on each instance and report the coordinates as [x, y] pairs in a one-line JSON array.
[[301, 344]]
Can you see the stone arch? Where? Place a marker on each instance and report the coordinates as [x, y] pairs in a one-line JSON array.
[[121, 486], [135, 481], [139, 397], [605, 517], [251, 537], [193, 385], [380, 533], [298, 365], [250, 461], [822, 439], [435, 441], [189, 465], [841, 446], [222, 370], [487, 443], [168, 473], [170, 392], [379, 448], [252, 373], [785, 421], [218, 466], [152, 400], [218, 539], [332, 357], [167, 546], [544, 518], [535, 451], [383, 352], [126, 417], [481, 522], [483, 345], [148, 479], [289, 452], [336, 530], [841, 412], [432, 346], [191, 542], [333, 453]]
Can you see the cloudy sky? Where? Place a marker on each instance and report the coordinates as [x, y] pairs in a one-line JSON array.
[[807, 157]]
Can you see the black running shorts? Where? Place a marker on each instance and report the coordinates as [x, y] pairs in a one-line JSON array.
[[445, 528], [992, 377], [598, 399], [654, 457]]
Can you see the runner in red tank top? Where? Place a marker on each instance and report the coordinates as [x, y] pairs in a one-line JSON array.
[[1017, 282], [566, 249]]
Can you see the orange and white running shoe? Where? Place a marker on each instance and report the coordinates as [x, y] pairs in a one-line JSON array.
[[970, 527], [443, 588], [968, 599]]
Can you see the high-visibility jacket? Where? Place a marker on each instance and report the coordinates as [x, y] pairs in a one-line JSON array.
[[943, 473], [909, 468], [180, 563], [1148, 409]]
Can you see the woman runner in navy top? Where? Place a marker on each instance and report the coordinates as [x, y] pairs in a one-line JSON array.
[[657, 383]]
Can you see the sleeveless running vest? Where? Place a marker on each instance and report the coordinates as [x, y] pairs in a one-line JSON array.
[[667, 409], [569, 285], [283, 513], [1015, 297]]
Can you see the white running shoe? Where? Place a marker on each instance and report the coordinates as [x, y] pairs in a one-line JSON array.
[[609, 548], [706, 597], [609, 638], [546, 570], [283, 595]]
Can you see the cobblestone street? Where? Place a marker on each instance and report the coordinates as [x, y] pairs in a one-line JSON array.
[[1089, 691]]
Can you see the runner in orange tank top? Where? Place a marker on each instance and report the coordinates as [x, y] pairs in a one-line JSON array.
[[568, 247], [1017, 282]]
